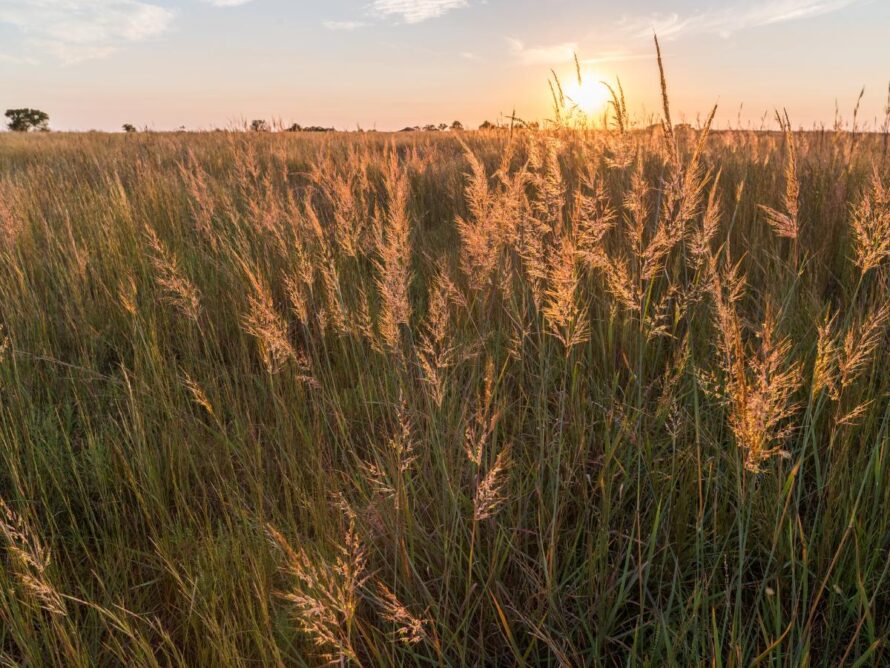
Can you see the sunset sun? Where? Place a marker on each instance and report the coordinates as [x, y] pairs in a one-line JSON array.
[[590, 95]]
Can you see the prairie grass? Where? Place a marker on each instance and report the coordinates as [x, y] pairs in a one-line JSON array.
[[558, 397]]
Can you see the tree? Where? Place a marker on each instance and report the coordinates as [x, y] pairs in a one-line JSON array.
[[23, 120], [128, 127], [294, 128], [457, 126], [259, 125], [443, 127], [487, 125]]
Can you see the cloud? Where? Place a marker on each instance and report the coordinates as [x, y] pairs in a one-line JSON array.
[[564, 53], [16, 60], [542, 55], [75, 30], [722, 22], [615, 56], [343, 25], [415, 11], [731, 19], [227, 3]]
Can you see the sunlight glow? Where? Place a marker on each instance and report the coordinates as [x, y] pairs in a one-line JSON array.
[[590, 96]]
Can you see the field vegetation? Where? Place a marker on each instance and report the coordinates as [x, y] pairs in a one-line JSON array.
[[552, 397]]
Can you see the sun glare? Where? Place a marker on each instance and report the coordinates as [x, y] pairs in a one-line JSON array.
[[590, 96]]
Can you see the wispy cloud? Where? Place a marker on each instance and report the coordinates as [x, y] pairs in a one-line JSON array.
[[415, 11], [75, 31], [228, 3], [563, 53], [728, 20], [542, 55], [17, 60], [724, 21], [343, 25], [616, 56]]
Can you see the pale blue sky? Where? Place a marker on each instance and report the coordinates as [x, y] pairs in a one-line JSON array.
[[391, 63]]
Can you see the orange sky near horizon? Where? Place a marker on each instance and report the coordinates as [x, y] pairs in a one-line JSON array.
[[387, 64]]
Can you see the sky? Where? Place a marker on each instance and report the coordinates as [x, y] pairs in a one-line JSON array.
[[387, 64]]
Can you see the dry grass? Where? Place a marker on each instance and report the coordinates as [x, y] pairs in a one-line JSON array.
[[559, 397]]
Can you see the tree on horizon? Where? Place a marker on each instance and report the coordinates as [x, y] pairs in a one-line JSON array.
[[25, 119]]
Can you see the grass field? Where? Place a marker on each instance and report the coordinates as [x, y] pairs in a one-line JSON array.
[[488, 398]]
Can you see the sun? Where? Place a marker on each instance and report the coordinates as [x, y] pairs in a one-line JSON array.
[[590, 95]]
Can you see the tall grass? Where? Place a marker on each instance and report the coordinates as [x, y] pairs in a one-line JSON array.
[[564, 397]]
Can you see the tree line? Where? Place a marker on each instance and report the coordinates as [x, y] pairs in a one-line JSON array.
[[27, 120]]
